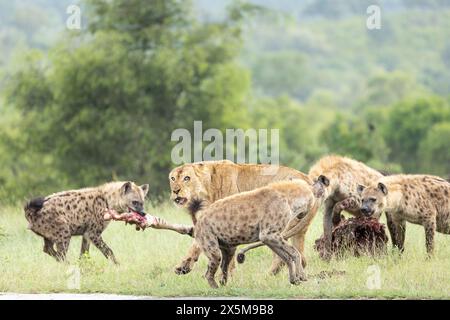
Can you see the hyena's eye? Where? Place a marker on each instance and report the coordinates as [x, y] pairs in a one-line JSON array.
[[136, 203], [373, 199], [187, 178]]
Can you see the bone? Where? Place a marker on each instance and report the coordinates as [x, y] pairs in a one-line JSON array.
[[148, 221]]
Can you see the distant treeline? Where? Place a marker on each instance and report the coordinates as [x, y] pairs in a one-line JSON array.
[[102, 103]]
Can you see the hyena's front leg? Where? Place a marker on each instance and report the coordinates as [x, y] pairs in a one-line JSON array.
[[62, 245], [102, 246], [350, 204], [328, 227], [189, 260], [397, 230]]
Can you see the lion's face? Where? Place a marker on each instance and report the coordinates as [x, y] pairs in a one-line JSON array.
[[188, 182]]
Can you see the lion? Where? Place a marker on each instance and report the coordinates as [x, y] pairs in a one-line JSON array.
[[208, 181]]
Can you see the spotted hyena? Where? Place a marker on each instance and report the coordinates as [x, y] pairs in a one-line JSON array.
[[418, 199], [345, 175], [252, 216], [62, 215]]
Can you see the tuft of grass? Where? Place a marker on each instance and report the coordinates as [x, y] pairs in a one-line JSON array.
[[147, 260]]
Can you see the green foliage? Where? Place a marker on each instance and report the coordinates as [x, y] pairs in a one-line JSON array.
[[387, 88], [354, 137], [102, 102], [408, 124], [434, 150], [104, 106], [299, 145], [336, 9]]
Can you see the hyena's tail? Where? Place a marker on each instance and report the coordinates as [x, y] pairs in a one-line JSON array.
[[33, 206]]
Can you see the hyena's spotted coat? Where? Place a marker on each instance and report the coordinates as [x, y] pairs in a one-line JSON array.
[[418, 199], [248, 217], [62, 215], [345, 175]]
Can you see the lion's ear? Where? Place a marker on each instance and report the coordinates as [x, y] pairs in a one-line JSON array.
[[203, 171]]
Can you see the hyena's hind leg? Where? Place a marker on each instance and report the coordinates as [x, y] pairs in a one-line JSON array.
[[430, 230], [287, 253], [227, 257]]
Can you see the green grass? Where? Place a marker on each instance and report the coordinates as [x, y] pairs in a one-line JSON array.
[[147, 260]]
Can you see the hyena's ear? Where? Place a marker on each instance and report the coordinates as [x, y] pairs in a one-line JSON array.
[[126, 187], [382, 187], [360, 188], [324, 180], [145, 188]]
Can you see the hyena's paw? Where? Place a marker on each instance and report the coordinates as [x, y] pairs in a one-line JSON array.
[[213, 283], [298, 279]]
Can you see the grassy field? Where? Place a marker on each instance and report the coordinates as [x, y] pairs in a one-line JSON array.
[[147, 260]]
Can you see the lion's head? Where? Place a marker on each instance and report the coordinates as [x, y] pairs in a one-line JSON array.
[[189, 182]]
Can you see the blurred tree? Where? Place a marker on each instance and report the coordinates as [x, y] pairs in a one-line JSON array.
[[354, 137], [434, 150], [408, 124], [281, 73], [299, 145], [337, 9], [386, 88], [106, 102]]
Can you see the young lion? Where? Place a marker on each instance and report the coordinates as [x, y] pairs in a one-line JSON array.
[[247, 217], [210, 181], [418, 199], [62, 215]]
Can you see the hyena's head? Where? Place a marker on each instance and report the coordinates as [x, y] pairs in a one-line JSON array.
[[320, 187], [373, 199], [132, 197]]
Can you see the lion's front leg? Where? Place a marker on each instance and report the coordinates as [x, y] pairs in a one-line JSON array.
[[189, 260], [277, 265]]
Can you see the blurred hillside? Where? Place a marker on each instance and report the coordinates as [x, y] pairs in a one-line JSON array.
[[82, 107]]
